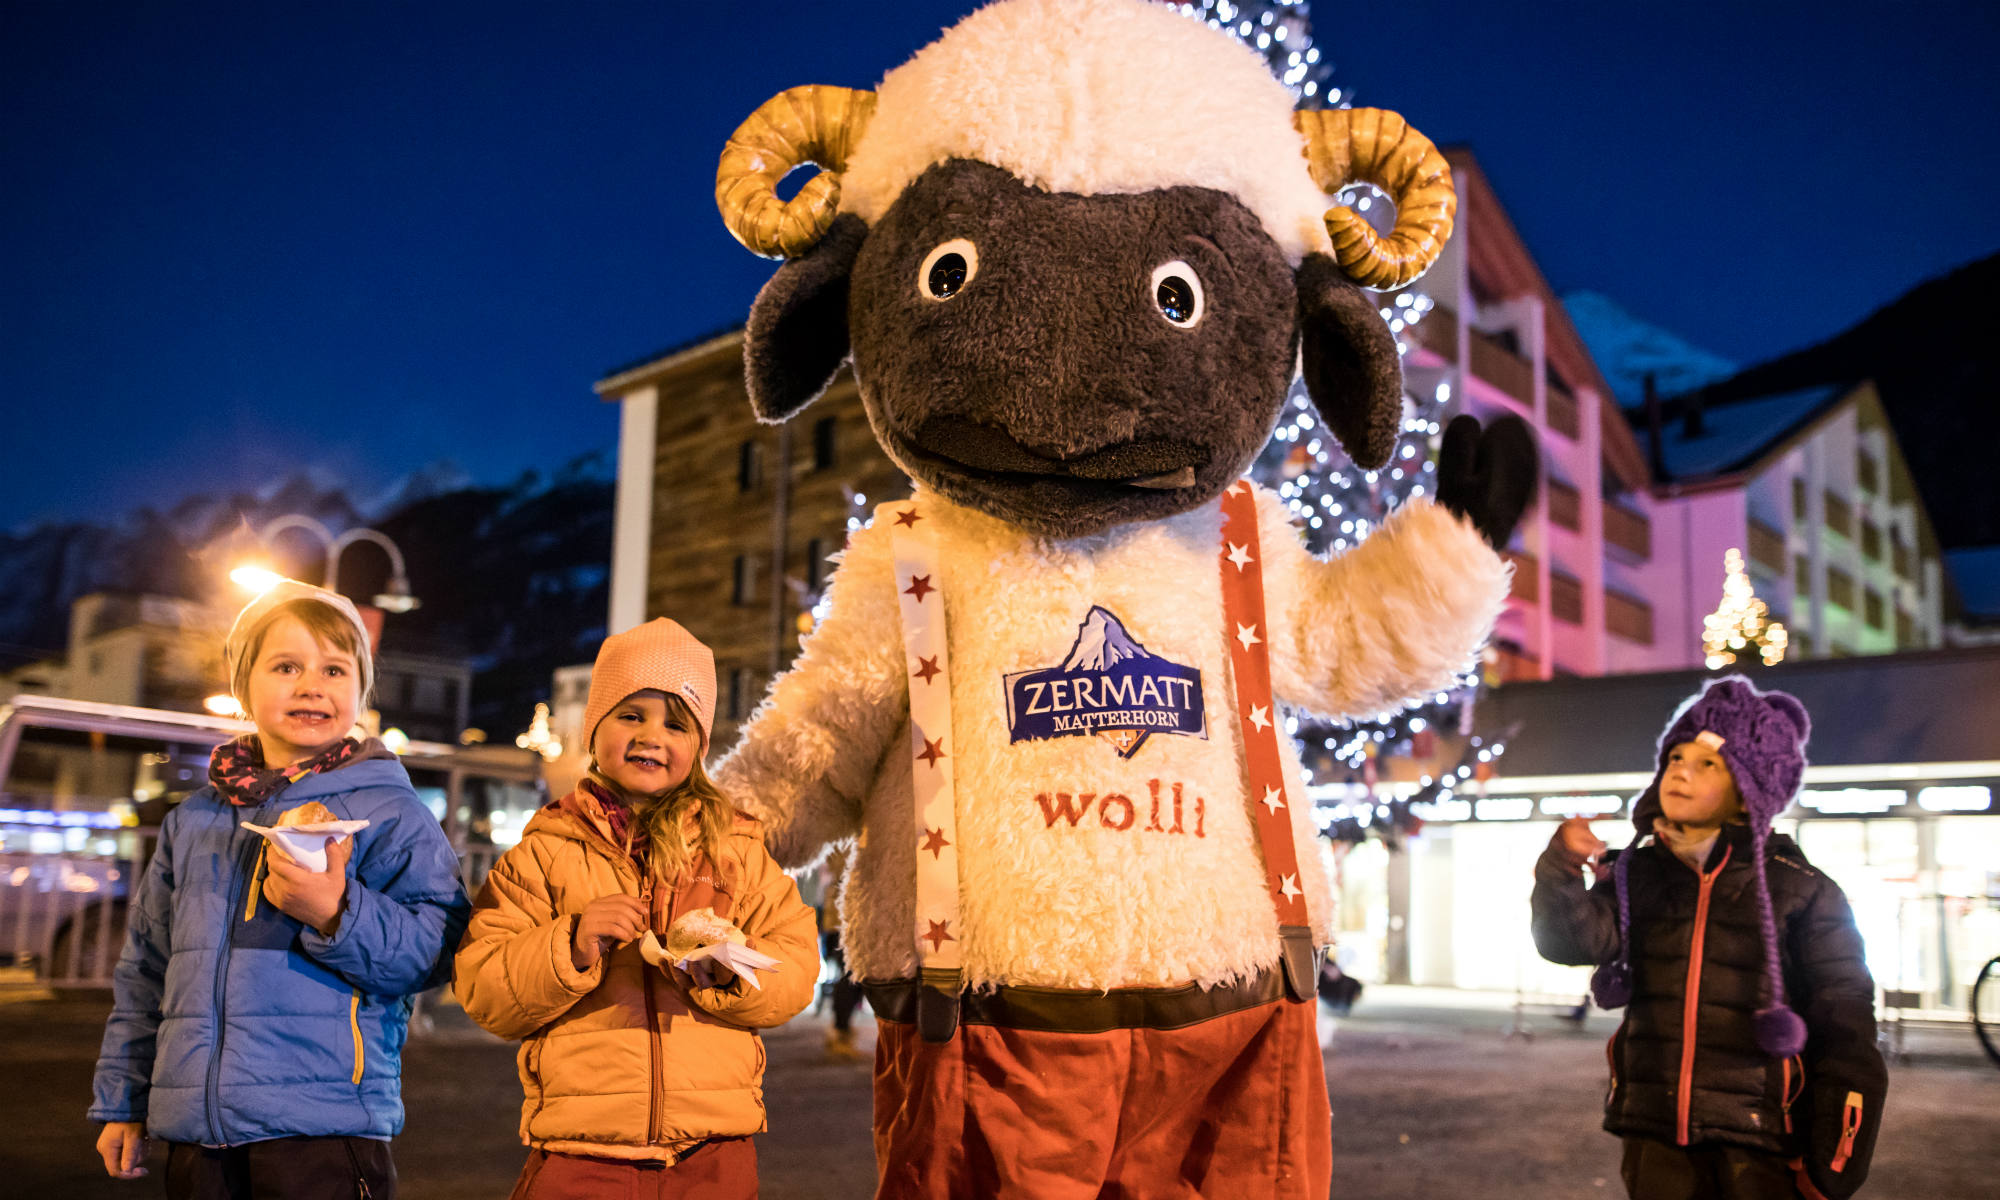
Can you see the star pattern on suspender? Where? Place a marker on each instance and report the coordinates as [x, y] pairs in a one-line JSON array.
[[1290, 887], [934, 841], [939, 935], [1259, 717], [932, 751], [908, 518], [1239, 555], [927, 668], [1274, 798], [920, 586], [1247, 634]]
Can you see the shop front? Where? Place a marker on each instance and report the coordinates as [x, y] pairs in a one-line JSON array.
[[1898, 807]]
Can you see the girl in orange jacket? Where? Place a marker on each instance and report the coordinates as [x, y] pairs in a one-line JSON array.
[[641, 1068]]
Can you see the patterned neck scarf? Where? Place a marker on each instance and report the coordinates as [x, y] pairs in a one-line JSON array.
[[238, 772], [618, 820]]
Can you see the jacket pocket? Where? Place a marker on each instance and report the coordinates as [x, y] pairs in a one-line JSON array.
[[354, 1028]]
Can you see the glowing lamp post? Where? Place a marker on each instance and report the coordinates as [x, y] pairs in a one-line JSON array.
[[256, 578]]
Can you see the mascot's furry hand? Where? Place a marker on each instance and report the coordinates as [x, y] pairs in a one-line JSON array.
[[1488, 477]]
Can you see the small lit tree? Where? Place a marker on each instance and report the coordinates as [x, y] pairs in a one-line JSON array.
[[1741, 621]]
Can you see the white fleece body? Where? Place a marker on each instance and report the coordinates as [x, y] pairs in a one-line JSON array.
[[1076, 870], [1093, 97]]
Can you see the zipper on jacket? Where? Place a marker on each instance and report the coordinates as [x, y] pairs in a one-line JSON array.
[[1850, 1126], [1789, 1094], [250, 893], [1691, 1008], [221, 1002], [656, 1050], [354, 1025], [1611, 1061]]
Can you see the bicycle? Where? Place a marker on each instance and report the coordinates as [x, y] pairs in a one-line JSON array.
[[1986, 1008]]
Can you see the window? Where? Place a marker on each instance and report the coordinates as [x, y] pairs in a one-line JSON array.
[[823, 443], [1802, 576], [815, 565], [427, 694], [743, 581], [1566, 597], [1628, 531], [1767, 546], [1839, 515], [1872, 608], [742, 693], [1868, 473], [1565, 504], [1871, 541], [1798, 498], [1840, 588], [1906, 630], [1628, 617], [749, 467]]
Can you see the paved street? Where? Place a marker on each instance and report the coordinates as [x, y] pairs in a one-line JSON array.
[[1430, 1098]]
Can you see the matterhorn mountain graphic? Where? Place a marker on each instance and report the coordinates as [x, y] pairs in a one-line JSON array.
[[1102, 643], [1107, 686]]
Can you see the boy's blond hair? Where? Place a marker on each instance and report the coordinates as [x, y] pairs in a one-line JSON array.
[[329, 624]]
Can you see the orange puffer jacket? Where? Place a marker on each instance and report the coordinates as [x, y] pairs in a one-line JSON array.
[[627, 1060]]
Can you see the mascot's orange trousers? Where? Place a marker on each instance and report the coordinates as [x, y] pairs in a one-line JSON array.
[[1231, 1105]]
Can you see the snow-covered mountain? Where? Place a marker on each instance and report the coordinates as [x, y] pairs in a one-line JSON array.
[[1628, 348], [1101, 643]]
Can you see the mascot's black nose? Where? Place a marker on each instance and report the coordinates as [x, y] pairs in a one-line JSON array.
[[1142, 462]]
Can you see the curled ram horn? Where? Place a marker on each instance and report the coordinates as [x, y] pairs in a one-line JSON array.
[[815, 124], [1345, 146]]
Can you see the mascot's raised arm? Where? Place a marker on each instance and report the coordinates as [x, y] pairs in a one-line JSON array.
[[1077, 250]]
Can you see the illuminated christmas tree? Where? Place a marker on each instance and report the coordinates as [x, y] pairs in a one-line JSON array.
[[1741, 621], [1336, 503]]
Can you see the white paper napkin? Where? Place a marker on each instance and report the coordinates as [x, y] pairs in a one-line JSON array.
[[734, 955], [307, 843]]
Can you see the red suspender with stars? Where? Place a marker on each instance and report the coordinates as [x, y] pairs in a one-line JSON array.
[[1248, 636], [939, 951]]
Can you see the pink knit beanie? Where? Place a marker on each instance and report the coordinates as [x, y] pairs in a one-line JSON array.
[[658, 656]]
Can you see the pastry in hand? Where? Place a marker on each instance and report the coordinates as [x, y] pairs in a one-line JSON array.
[[693, 930], [312, 812]]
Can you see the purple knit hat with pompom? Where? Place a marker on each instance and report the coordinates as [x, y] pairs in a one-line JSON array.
[[1762, 736]]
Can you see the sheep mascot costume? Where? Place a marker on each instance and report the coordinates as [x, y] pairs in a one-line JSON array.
[[1077, 250]]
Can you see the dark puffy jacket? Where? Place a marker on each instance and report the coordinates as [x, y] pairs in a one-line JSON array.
[[1685, 1065], [232, 1022]]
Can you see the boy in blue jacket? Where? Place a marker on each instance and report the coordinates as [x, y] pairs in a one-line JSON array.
[[261, 1006]]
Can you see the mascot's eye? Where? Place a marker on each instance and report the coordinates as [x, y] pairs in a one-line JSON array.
[[948, 269], [1177, 293]]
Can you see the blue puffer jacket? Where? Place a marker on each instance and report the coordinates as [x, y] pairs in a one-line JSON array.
[[235, 1023]]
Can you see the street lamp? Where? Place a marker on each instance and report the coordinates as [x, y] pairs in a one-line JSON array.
[[257, 578]]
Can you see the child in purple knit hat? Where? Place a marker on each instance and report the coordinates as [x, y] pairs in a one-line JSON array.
[[1746, 1065]]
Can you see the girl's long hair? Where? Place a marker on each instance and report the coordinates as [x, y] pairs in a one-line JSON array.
[[665, 820]]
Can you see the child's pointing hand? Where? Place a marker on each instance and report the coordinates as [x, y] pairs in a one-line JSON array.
[[1578, 842]]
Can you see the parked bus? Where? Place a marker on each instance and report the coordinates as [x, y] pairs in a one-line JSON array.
[[84, 788]]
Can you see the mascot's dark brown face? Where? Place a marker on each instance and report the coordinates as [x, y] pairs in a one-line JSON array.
[[1071, 363]]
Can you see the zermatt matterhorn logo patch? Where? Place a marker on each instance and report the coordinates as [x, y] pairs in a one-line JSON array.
[[1108, 685]]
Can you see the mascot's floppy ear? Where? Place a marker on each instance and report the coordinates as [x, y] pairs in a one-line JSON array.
[[1352, 369], [797, 334]]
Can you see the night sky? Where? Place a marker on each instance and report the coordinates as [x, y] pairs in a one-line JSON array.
[[238, 241]]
